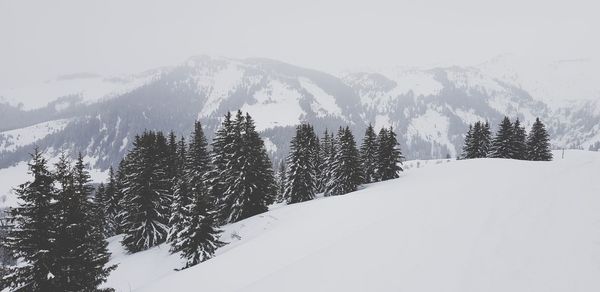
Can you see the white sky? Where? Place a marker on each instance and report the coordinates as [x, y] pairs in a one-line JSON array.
[[40, 40]]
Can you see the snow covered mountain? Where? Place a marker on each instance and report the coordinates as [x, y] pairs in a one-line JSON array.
[[430, 109], [537, 233]]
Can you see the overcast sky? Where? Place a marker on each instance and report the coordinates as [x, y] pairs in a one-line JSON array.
[[40, 40]]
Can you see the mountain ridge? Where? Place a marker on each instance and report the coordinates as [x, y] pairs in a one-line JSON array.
[[429, 108]]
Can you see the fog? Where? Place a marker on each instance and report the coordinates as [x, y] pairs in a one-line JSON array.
[[44, 39]]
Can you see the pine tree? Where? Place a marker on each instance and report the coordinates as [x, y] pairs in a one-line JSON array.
[[81, 251], [100, 199], [502, 143], [467, 150], [485, 140], [346, 174], [146, 199], [301, 179], [182, 197], [194, 233], [119, 196], [538, 143], [221, 155], [518, 141], [108, 201], [389, 156], [32, 239], [245, 183], [368, 155], [280, 178], [326, 154]]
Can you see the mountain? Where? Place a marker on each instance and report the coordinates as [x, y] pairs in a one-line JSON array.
[[430, 109], [468, 231]]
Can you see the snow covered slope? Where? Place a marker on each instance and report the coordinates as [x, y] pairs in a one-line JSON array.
[[477, 225]]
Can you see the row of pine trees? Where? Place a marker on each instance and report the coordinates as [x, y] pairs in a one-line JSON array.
[[171, 190], [333, 165], [58, 234], [511, 141]]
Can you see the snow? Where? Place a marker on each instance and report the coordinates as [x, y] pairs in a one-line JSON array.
[[219, 85], [554, 82], [89, 89], [323, 104], [382, 121], [419, 82], [26, 136], [11, 177], [269, 145], [432, 126], [468, 116], [447, 227], [276, 105]]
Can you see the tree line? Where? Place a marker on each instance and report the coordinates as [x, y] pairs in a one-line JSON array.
[[58, 231], [179, 191], [333, 165], [511, 141]]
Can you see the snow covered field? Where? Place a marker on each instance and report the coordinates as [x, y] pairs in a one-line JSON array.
[[475, 225]]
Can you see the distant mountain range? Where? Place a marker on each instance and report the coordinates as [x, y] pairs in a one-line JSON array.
[[430, 109]]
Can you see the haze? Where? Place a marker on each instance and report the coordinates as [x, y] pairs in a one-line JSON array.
[[44, 39]]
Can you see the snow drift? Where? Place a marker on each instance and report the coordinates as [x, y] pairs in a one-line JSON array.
[[476, 225]]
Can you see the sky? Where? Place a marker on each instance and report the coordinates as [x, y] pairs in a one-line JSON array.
[[40, 40]]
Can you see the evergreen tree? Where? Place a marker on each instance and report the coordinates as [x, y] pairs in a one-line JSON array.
[[346, 174], [119, 197], [81, 251], [280, 178], [244, 179], [368, 155], [538, 143], [146, 198], [467, 150], [502, 143], [485, 140], [518, 141], [389, 156], [194, 232], [221, 156], [326, 154], [108, 201], [301, 179], [100, 199], [182, 198], [32, 239]]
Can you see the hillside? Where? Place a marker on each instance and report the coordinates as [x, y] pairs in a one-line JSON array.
[[476, 225], [429, 108]]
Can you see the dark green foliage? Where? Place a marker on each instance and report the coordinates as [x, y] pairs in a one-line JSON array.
[[389, 156], [242, 182], [468, 148], [519, 146], [108, 200], [59, 234], [301, 178], [146, 193], [280, 178], [326, 151], [346, 174], [368, 155], [193, 222], [477, 141], [538, 143], [502, 146], [32, 239], [80, 249]]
